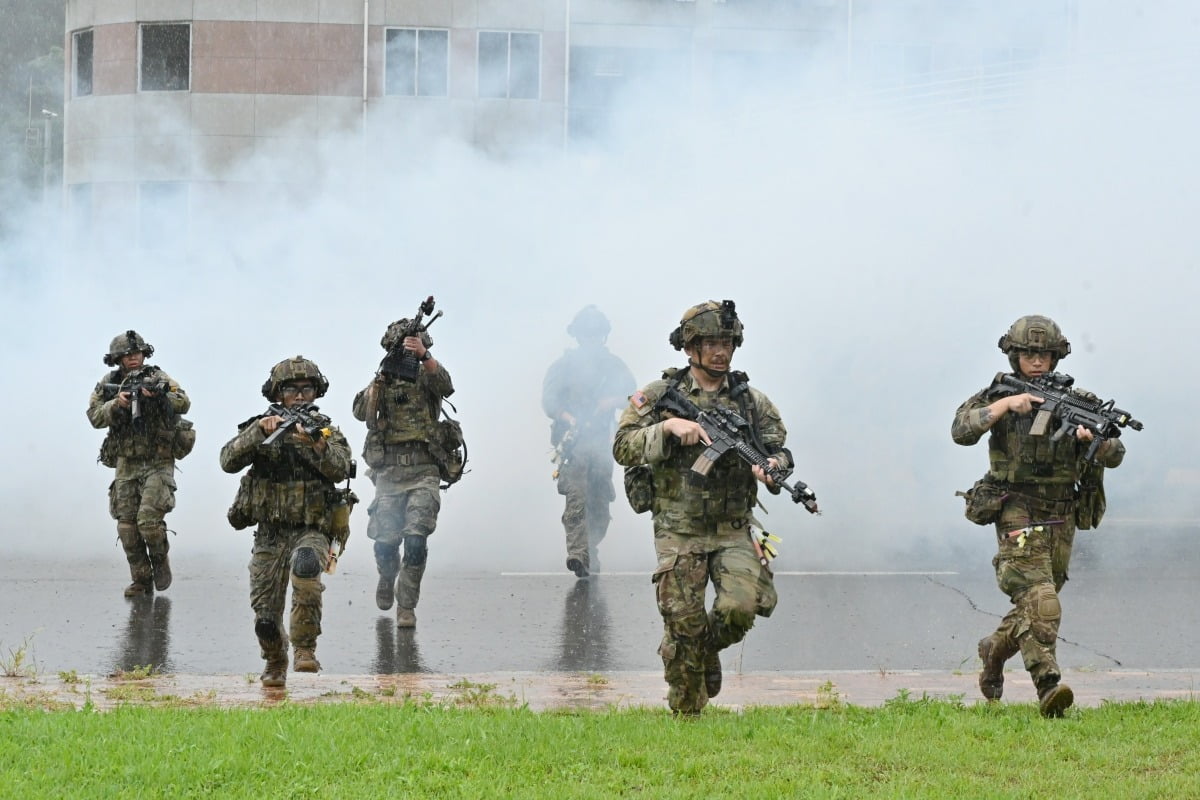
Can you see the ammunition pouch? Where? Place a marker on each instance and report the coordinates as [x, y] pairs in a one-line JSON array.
[[342, 502], [239, 514], [984, 500], [184, 439], [639, 488], [108, 452]]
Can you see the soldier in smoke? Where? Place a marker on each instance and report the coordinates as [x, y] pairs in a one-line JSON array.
[[581, 392]]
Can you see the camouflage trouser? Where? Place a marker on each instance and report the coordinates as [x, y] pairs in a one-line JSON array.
[[271, 572], [743, 589], [140, 496], [587, 483], [1032, 573], [404, 512]]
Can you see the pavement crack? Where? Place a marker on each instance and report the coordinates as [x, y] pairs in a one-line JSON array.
[[975, 607]]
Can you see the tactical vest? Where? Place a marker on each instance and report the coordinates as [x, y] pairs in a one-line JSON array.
[[282, 488], [410, 420], [153, 441], [727, 493], [1018, 458]]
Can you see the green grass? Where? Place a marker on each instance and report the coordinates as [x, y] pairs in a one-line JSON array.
[[375, 749]]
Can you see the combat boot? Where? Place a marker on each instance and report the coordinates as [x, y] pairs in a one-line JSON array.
[[275, 674], [991, 677], [137, 589], [712, 673], [385, 592], [387, 561], [1054, 699], [576, 566], [405, 618], [305, 660], [161, 566]]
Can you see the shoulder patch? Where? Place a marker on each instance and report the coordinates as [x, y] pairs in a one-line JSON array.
[[638, 399]]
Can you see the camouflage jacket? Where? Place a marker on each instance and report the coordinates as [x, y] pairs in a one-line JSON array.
[[685, 502], [151, 438], [289, 483], [1018, 458]]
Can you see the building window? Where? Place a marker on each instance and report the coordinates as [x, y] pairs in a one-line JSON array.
[[510, 65], [166, 57], [83, 63], [417, 62], [162, 213]]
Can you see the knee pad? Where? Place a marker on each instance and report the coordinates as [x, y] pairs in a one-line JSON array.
[[414, 551], [387, 556], [306, 563], [1046, 613], [266, 630]]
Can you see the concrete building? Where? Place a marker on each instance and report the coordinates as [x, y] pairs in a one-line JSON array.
[[167, 100]]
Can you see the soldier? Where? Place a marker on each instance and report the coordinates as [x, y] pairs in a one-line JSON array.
[[1033, 484], [581, 391], [402, 423], [290, 493], [702, 528], [140, 405]]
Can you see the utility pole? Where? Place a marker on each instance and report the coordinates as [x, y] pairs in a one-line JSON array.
[[47, 116]]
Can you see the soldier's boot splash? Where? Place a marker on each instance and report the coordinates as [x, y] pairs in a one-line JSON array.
[[305, 660], [405, 618], [993, 654], [387, 561], [1054, 698], [141, 573]]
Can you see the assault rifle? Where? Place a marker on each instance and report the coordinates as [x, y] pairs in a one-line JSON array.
[[134, 383], [729, 431], [400, 363], [1069, 409], [305, 417]]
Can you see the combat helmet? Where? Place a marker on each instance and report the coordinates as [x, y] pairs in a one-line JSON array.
[[1034, 334], [393, 337], [707, 319], [125, 343], [294, 369], [589, 323]]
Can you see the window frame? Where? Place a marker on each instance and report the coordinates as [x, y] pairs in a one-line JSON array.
[[508, 76], [141, 54], [75, 37], [416, 66]]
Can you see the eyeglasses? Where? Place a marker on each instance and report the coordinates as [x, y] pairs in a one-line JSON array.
[[292, 389], [1037, 355], [716, 343]]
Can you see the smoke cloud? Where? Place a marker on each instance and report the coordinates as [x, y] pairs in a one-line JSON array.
[[877, 245]]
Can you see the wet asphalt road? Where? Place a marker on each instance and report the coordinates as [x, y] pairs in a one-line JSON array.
[[72, 617]]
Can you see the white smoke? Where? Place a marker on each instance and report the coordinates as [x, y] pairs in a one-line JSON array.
[[875, 254]]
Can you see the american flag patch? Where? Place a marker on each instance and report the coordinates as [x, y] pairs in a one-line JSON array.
[[638, 399]]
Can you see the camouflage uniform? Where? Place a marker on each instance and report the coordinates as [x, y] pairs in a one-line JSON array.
[[1038, 479], [701, 531], [589, 383], [143, 490], [405, 474], [288, 493]]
